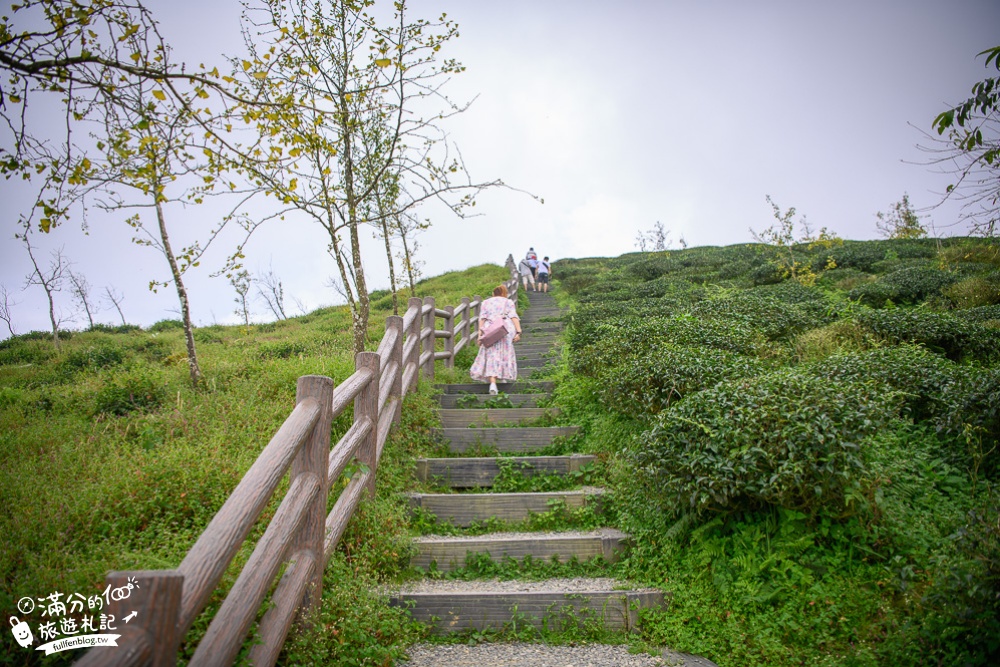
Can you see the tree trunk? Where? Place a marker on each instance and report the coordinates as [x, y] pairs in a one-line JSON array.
[[181, 295], [392, 266]]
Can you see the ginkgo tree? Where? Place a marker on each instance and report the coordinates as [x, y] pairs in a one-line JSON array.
[[355, 114]]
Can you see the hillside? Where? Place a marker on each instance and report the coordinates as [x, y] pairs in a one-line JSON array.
[[808, 467]]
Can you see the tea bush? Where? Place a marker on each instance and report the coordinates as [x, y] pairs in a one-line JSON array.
[[917, 374], [646, 384], [773, 317], [969, 417], [956, 338], [784, 439], [905, 286]]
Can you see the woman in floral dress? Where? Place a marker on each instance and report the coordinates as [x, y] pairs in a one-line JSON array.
[[497, 362]]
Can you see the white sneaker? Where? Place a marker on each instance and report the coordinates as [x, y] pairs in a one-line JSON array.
[[493, 388]]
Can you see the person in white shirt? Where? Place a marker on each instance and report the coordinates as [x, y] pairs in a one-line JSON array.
[[544, 272]]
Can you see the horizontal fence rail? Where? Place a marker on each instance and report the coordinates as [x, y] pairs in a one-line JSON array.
[[301, 535]]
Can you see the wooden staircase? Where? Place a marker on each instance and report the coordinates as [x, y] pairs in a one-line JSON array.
[[478, 435]]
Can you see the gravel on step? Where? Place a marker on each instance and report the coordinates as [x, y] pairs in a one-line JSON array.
[[500, 537], [568, 585], [540, 655]]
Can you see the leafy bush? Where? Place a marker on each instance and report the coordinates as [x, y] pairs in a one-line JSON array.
[[972, 293], [166, 325], [964, 602], [855, 255], [649, 383], [917, 374], [784, 439], [136, 389], [969, 417], [93, 357], [279, 350], [115, 328], [956, 338], [911, 285], [771, 315], [981, 314]]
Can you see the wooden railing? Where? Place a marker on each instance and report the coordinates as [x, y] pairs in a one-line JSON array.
[[300, 534]]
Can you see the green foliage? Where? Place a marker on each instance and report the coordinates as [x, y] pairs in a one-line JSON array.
[[134, 389], [166, 325], [900, 221], [969, 417], [973, 292], [784, 439], [93, 357], [956, 338], [917, 375], [647, 384], [906, 286]]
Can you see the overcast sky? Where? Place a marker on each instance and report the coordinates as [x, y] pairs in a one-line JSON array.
[[619, 115]]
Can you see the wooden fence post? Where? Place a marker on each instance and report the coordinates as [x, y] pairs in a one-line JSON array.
[[313, 459], [150, 600], [414, 335], [449, 342], [466, 322], [366, 407], [395, 323], [429, 342]]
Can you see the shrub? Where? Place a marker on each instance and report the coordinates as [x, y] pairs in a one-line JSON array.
[[981, 314], [785, 439], [969, 417], [917, 374], [964, 601], [647, 384], [166, 325], [910, 285], [93, 357], [837, 337], [279, 350], [972, 293], [956, 338], [115, 328], [855, 255], [136, 389], [769, 314]]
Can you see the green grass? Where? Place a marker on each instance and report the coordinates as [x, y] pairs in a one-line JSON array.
[[113, 462]]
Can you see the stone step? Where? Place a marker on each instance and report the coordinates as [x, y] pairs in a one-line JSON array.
[[505, 440], [536, 348], [544, 327], [452, 401], [505, 387], [454, 606], [449, 553], [459, 418], [465, 473], [462, 509]]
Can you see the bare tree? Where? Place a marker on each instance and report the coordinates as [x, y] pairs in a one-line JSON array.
[[115, 298], [241, 282], [50, 278], [80, 288], [270, 289], [6, 303], [653, 240]]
